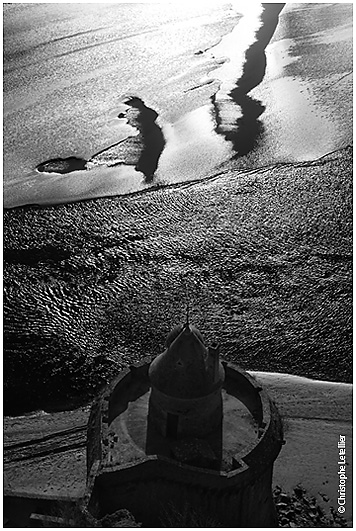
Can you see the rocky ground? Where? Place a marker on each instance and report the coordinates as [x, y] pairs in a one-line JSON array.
[[91, 287], [299, 509]]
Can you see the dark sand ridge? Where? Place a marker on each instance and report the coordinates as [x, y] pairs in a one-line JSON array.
[[93, 286], [45, 453]]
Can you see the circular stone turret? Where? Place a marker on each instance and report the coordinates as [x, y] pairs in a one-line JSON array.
[[154, 441]]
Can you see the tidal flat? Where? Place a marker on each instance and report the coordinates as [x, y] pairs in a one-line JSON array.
[[94, 286]]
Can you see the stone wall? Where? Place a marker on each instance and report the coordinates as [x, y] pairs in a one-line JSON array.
[[157, 493]]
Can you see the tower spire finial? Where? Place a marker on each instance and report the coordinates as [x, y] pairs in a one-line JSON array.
[[187, 304], [187, 308]]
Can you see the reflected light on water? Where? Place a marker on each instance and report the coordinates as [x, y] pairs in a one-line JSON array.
[[233, 46], [192, 147], [279, 56]]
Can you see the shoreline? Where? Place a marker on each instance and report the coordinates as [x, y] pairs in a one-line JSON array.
[[103, 128], [226, 167]]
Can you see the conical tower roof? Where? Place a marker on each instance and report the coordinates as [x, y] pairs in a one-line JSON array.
[[182, 370], [177, 331]]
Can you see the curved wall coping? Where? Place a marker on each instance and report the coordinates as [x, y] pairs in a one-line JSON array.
[[254, 457]]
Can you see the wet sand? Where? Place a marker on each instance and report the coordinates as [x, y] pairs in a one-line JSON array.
[[244, 103], [66, 74]]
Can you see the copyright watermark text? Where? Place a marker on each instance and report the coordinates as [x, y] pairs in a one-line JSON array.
[[341, 445]]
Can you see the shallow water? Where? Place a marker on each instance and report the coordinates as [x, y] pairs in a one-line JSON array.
[[67, 70], [65, 85]]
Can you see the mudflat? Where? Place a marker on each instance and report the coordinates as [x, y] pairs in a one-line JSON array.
[[93, 286]]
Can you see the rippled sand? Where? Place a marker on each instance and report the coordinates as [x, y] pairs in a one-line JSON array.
[[94, 286]]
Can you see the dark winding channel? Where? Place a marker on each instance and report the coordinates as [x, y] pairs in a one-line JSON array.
[[247, 129]]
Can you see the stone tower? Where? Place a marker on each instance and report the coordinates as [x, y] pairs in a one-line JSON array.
[[184, 432], [186, 382], [185, 405]]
